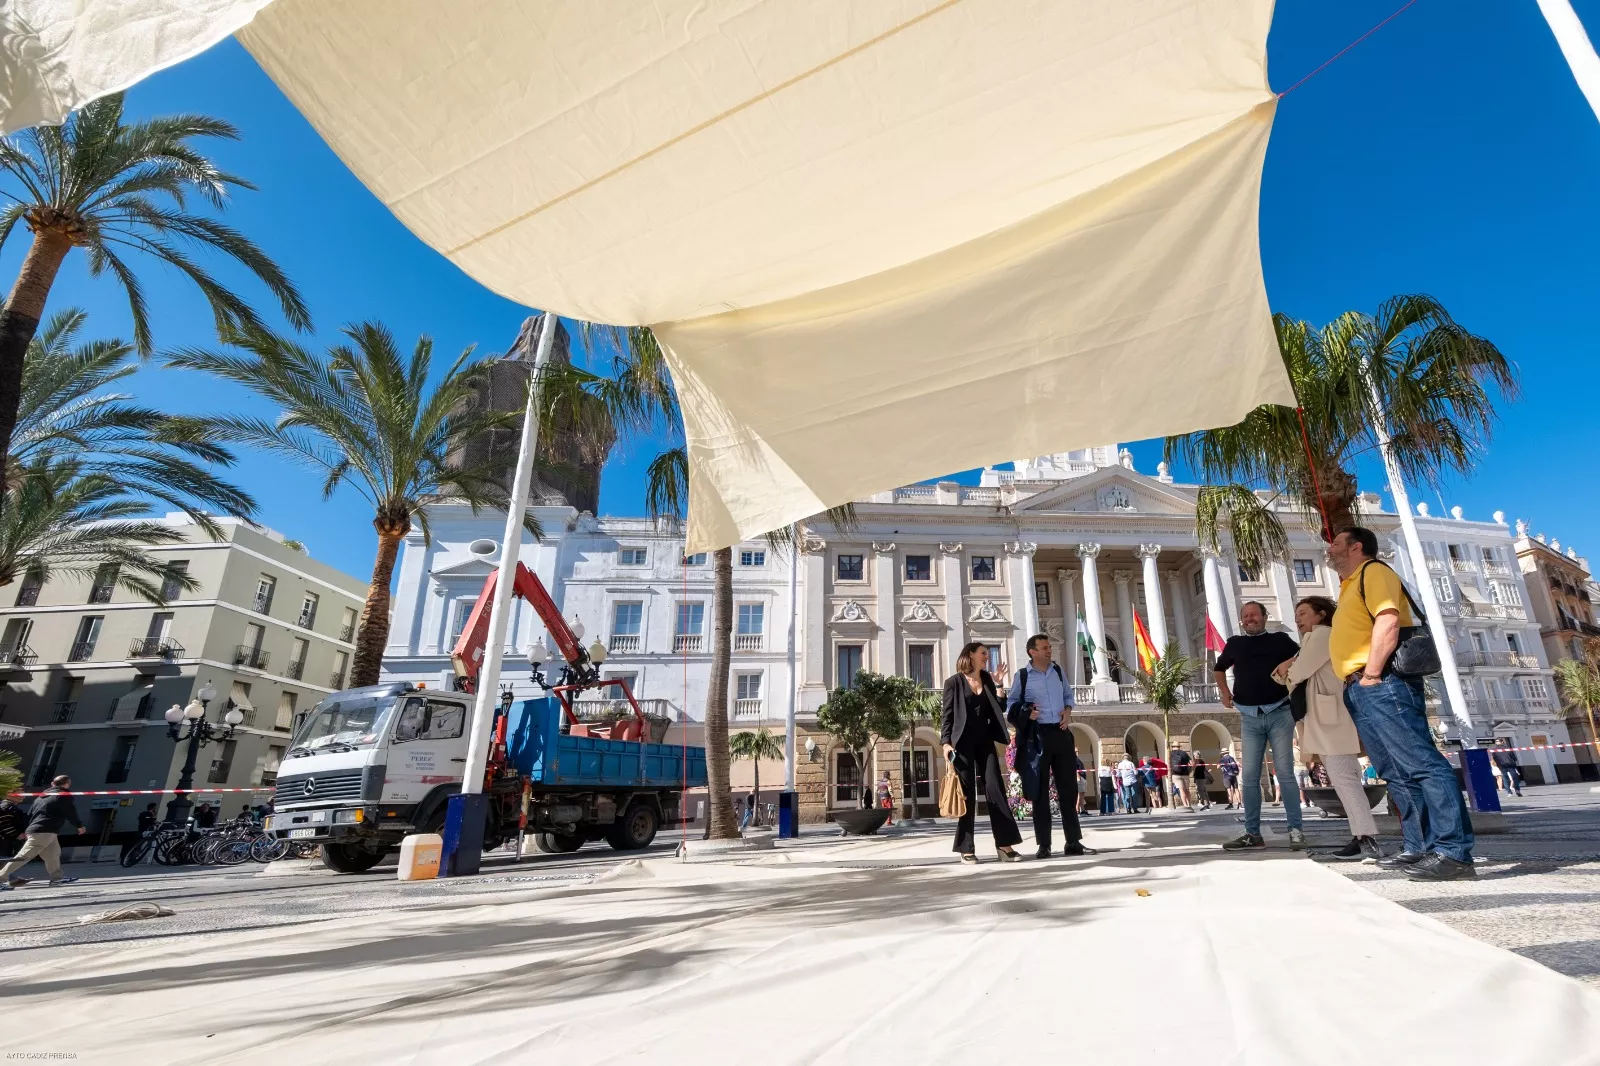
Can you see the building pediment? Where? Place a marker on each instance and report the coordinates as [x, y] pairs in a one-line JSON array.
[[1113, 490], [477, 568]]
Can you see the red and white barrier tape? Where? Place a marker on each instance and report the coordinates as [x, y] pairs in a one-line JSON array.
[[151, 791]]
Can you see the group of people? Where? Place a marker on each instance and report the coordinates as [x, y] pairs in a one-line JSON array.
[[1351, 700]]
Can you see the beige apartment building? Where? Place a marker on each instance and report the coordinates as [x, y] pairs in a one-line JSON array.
[[89, 668], [1561, 590]]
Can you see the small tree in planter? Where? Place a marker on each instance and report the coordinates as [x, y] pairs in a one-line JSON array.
[[875, 708], [756, 744], [1163, 685]]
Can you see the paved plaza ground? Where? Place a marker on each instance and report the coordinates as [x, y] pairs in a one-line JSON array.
[[865, 945]]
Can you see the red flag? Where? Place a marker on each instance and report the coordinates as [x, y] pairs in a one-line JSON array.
[[1141, 639], [1214, 641]]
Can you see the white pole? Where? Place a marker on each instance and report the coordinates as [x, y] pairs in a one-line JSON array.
[[1454, 695], [510, 547], [1576, 47], [794, 680]]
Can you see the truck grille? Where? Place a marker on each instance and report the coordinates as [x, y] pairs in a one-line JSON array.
[[330, 787]]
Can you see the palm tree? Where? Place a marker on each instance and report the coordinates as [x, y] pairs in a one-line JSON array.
[[1163, 684], [58, 521], [111, 188], [1578, 681], [756, 744], [1433, 381], [10, 776], [364, 415], [68, 410]]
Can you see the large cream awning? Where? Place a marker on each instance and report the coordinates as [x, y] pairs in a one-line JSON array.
[[881, 241]]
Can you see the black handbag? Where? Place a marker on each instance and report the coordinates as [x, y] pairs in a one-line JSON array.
[[1297, 701], [1415, 656]]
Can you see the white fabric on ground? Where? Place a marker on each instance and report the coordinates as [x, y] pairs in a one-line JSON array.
[[798, 958]]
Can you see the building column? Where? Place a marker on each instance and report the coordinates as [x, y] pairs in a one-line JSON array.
[[1069, 655], [1216, 606], [1093, 616], [1152, 597], [955, 610], [1228, 577], [1180, 612], [1282, 583], [883, 562], [1025, 606], [1122, 580], [813, 625]]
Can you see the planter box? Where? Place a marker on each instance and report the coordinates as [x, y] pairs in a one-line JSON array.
[[861, 823], [1327, 800]]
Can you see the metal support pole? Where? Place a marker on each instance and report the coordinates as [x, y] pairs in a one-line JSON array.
[[1576, 47], [794, 680], [488, 694]]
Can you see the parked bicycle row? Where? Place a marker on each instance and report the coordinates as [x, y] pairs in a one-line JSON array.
[[228, 844]]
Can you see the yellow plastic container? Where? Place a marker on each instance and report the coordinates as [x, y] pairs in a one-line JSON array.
[[419, 856]]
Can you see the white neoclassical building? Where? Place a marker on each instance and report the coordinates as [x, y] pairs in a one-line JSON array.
[[930, 567]]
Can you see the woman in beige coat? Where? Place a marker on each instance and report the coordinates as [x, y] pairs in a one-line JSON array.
[[1327, 729]]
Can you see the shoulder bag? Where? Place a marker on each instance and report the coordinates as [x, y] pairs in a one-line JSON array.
[[1415, 655]]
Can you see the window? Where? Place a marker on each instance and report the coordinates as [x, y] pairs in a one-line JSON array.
[[1489, 557], [1445, 588], [45, 761], [459, 614], [850, 568], [223, 766], [1504, 592], [105, 583], [269, 768], [121, 759], [1041, 593], [626, 619], [262, 604], [14, 642], [919, 568], [691, 619], [298, 650], [846, 778], [308, 610], [1249, 575], [748, 687], [425, 719], [1513, 644], [1534, 688], [995, 658], [1457, 553], [28, 594], [1199, 582], [160, 628], [914, 768], [633, 556], [88, 633], [697, 559], [1480, 642], [286, 709], [172, 579], [1305, 570], [847, 663], [341, 662], [919, 664], [751, 557], [752, 617], [347, 624], [983, 568], [631, 677]]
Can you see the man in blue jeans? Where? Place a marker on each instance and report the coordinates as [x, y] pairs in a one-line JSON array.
[[1391, 716], [1264, 719]]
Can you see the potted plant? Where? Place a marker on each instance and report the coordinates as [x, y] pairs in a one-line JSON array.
[[1163, 684], [755, 744], [875, 708]]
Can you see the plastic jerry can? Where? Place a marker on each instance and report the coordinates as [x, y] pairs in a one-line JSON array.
[[419, 856]]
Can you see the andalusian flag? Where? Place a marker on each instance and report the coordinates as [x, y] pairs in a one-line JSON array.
[[1147, 650], [1085, 641]]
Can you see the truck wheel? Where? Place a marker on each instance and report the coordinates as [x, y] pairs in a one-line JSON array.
[[350, 858], [557, 843], [635, 829]]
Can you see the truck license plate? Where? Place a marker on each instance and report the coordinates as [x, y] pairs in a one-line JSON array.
[[297, 834]]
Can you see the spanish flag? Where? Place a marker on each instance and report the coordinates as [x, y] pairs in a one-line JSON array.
[[1141, 639]]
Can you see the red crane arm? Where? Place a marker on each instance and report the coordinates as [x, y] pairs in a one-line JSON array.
[[467, 655]]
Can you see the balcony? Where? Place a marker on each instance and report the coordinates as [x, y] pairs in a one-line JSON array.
[[63, 712], [688, 643], [1496, 570], [336, 682], [154, 648], [81, 652], [28, 596], [101, 593], [623, 643], [255, 658], [747, 641], [1461, 566], [1198, 694], [747, 708], [347, 634], [1130, 694], [593, 710], [1436, 564], [1507, 659], [294, 670], [262, 604], [16, 657], [1082, 694]]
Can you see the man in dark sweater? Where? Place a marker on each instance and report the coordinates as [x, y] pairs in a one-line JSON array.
[[52, 812], [1264, 718]]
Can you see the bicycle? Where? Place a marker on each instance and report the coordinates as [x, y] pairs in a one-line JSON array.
[[149, 844]]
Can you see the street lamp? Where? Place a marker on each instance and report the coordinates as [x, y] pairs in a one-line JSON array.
[[188, 724]]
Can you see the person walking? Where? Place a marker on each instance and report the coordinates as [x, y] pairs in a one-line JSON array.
[[147, 822], [1390, 713], [52, 811], [1159, 765], [1505, 760], [13, 823], [1129, 776], [1182, 764], [1264, 719], [1327, 735], [1201, 773], [1039, 707], [972, 725], [1108, 788], [1230, 778], [1083, 786]]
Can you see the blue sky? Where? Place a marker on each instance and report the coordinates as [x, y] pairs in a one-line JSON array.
[[1451, 153]]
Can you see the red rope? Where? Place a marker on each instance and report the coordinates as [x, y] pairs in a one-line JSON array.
[[1345, 49], [1316, 482]]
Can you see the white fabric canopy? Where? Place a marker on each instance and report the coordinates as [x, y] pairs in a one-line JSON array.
[[881, 242]]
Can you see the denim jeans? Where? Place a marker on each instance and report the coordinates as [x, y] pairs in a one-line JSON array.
[[1393, 724], [1130, 798], [1275, 727], [1513, 777], [1108, 798]]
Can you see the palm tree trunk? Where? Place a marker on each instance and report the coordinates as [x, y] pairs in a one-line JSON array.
[[373, 634], [755, 818], [723, 824], [1336, 499], [19, 320]]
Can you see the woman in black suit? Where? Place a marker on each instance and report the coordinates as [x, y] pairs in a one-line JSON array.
[[973, 724]]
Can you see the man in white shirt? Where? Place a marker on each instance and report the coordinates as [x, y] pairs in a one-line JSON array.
[[1040, 706], [1128, 774]]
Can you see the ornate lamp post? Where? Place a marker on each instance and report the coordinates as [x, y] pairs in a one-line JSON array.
[[189, 724]]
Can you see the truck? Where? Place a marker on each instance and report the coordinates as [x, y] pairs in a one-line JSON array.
[[370, 766]]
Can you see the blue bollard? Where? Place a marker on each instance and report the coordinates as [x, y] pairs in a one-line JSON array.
[[1483, 793], [788, 815], [463, 835]]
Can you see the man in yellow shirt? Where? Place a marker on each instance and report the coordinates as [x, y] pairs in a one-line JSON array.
[[1390, 713]]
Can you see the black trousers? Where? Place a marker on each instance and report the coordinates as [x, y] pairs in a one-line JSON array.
[[986, 764], [1060, 761]]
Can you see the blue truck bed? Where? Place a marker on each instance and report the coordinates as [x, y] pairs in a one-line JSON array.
[[539, 750]]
